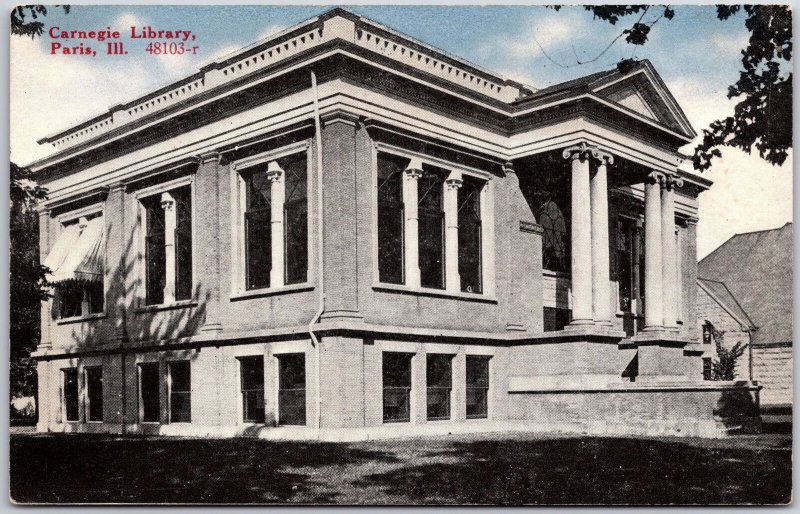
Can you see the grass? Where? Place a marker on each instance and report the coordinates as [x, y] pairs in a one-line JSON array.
[[479, 469]]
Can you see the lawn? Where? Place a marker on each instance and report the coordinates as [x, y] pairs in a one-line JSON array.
[[479, 469]]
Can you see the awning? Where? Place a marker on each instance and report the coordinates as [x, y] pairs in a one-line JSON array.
[[78, 253]]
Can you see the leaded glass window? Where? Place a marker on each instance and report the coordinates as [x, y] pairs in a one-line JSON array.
[[296, 217], [469, 235], [431, 227], [390, 218]]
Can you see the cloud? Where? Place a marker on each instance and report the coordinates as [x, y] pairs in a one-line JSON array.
[[733, 44]]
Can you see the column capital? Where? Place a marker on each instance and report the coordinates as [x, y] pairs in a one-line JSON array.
[[672, 181], [508, 167], [656, 177], [167, 201], [581, 151], [603, 156], [454, 183], [210, 157], [274, 171], [414, 168]]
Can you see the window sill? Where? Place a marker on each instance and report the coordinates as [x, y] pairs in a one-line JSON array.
[[182, 304], [260, 293], [79, 319], [439, 293]]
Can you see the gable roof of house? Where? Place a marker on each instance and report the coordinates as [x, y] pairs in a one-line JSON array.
[[756, 268], [723, 296]]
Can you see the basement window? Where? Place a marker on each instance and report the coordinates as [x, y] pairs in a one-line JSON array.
[[180, 392], [70, 395], [149, 393], [439, 374], [292, 389], [94, 393], [252, 382], [396, 387], [477, 386]]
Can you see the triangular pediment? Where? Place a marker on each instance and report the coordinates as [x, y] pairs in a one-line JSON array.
[[644, 93]]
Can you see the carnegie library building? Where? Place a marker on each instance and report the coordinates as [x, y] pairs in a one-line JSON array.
[[342, 233]]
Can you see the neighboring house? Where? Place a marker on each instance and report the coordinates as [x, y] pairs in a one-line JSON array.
[[344, 233], [750, 277]]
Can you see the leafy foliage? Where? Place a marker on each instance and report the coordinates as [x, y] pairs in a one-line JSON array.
[[27, 280], [762, 118], [724, 366], [25, 19]]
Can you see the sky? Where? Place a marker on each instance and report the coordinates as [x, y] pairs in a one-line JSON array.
[[697, 55]]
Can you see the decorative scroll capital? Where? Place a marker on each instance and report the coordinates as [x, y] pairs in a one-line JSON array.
[[672, 181], [656, 177], [274, 171], [454, 183], [603, 156], [581, 151]]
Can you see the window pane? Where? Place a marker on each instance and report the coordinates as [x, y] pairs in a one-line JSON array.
[[150, 392], [477, 386], [94, 393], [469, 235], [71, 394], [292, 389], [296, 217], [180, 392], [96, 298], [396, 386], [431, 227], [183, 243], [439, 372], [252, 372], [390, 218], [70, 298], [155, 257], [258, 248]]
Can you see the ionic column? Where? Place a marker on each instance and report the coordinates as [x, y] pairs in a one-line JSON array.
[[582, 312], [170, 221], [452, 185], [653, 275], [669, 253], [600, 260], [410, 200], [276, 176]]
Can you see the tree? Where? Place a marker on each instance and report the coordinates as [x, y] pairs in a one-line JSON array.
[[32, 27], [762, 117], [27, 279]]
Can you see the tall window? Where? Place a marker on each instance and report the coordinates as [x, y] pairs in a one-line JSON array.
[[292, 389], [149, 393], [155, 254], [168, 223], [295, 208], [431, 227], [396, 386], [183, 243], [477, 386], [252, 376], [440, 384], [390, 218], [469, 235], [180, 392], [94, 393], [71, 409], [549, 197], [555, 238], [257, 229]]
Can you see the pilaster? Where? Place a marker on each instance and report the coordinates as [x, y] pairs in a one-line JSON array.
[[208, 185]]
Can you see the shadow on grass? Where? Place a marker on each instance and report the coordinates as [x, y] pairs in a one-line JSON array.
[[504, 470], [100, 469], [592, 471]]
